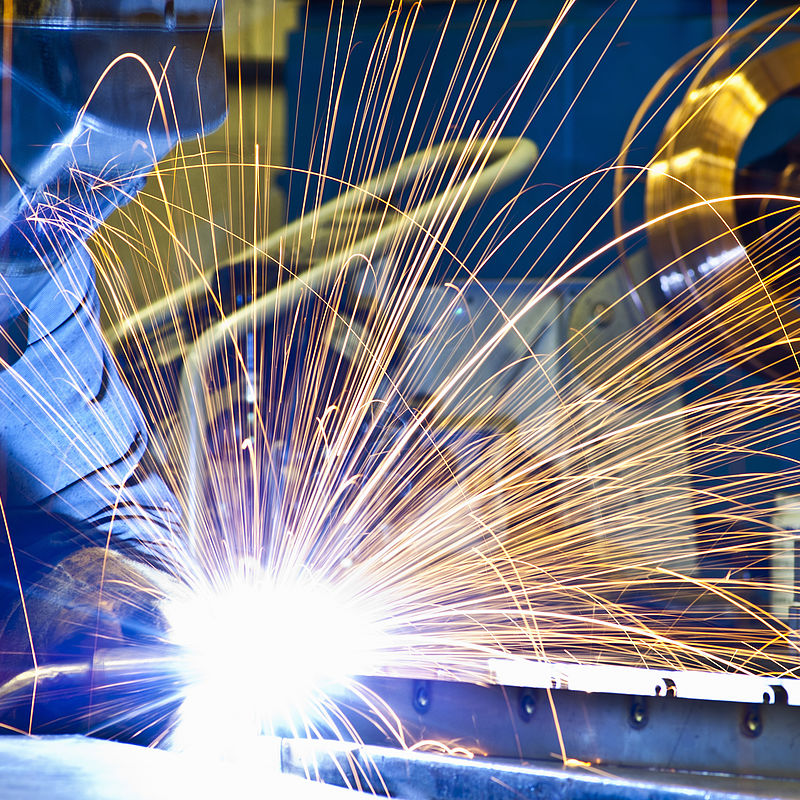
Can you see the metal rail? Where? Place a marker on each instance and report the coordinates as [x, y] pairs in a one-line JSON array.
[[128, 693], [426, 776]]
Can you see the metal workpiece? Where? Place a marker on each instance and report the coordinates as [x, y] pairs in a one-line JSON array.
[[427, 776], [603, 729], [497, 741]]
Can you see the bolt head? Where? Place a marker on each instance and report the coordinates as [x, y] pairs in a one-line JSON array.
[[602, 314], [752, 724], [527, 705], [638, 717], [422, 698]]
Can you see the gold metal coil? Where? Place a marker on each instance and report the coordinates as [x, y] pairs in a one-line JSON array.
[[699, 244]]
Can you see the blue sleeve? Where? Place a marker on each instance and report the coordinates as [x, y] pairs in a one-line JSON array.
[[72, 437]]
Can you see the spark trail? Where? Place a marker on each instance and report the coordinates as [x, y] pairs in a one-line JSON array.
[[383, 470]]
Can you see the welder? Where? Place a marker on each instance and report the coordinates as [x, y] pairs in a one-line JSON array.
[[89, 534]]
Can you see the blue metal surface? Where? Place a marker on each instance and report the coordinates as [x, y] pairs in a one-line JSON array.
[[425, 776]]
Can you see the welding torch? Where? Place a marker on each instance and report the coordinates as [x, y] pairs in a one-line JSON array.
[[123, 692]]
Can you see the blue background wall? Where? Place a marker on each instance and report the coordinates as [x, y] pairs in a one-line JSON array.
[[650, 40]]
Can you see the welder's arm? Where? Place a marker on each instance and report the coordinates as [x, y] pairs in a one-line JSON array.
[[71, 433], [86, 122], [86, 523]]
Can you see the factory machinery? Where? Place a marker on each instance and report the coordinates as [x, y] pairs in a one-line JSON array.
[[532, 728]]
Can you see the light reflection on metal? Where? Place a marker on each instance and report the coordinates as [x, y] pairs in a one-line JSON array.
[[646, 682], [675, 281], [738, 83], [693, 158], [430, 775]]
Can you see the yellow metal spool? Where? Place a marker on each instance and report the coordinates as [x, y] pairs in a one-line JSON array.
[[701, 242]]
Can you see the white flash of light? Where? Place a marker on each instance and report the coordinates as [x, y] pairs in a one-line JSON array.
[[261, 655]]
